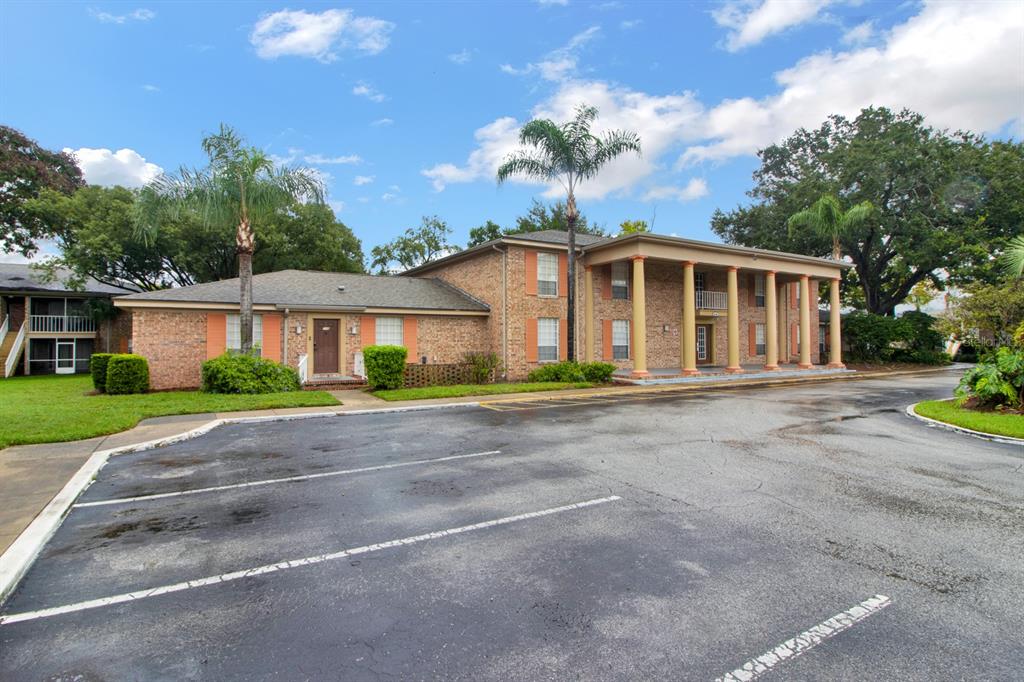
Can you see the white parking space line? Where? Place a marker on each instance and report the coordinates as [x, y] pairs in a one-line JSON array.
[[294, 563], [287, 479], [806, 640]]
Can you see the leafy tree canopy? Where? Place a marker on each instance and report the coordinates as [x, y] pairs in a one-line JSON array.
[[633, 227], [97, 237], [416, 246], [539, 217], [26, 169], [943, 202], [985, 314]]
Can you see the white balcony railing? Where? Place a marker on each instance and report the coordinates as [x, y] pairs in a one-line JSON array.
[[712, 300], [62, 324]]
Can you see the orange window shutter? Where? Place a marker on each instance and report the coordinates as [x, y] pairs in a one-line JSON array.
[[530, 259], [216, 334], [606, 340], [531, 339], [409, 328], [792, 295], [752, 339], [751, 291], [271, 341], [563, 339], [606, 282], [367, 330], [794, 341], [563, 274]]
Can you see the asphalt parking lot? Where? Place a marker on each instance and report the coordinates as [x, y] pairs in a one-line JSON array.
[[681, 537]]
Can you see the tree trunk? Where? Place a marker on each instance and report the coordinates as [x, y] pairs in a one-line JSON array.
[[246, 243], [570, 221]]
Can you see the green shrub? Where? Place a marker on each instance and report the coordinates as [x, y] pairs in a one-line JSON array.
[[922, 357], [918, 332], [996, 381], [249, 374], [127, 373], [98, 369], [597, 372], [385, 366], [483, 367], [567, 371], [871, 337]]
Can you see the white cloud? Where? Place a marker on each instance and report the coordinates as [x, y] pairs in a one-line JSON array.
[[750, 23], [559, 64], [661, 121], [140, 14], [859, 34], [319, 36], [382, 122], [933, 63], [461, 57], [694, 189], [389, 196], [361, 180], [364, 90], [956, 63], [321, 160], [336, 206], [150, 88], [124, 167], [628, 24], [552, 3]]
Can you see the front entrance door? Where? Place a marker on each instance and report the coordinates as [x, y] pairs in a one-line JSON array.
[[65, 357], [325, 346], [703, 344]]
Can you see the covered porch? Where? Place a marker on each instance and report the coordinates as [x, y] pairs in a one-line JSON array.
[[711, 300], [717, 373]]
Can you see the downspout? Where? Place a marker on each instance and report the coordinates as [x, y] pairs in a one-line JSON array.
[[286, 338], [504, 309]]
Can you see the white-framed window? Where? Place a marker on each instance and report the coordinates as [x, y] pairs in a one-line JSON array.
[[547, 339], [620, 280], [759, 336], [759, 291], [389, 331], [822, 332], [547, 274], [698, 281], [234, 333], [620, 339]]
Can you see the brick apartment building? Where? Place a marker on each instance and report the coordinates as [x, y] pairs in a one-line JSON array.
[[699, 305]]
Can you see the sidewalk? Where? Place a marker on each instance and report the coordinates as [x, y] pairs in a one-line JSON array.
[[31, 475]]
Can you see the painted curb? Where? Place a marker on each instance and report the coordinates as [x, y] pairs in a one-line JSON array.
[[19, 557], [1009, 440]]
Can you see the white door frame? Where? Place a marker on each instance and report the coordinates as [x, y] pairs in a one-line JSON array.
[[65, 370]]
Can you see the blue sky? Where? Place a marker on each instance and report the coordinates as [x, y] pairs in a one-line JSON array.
[[407, 108]]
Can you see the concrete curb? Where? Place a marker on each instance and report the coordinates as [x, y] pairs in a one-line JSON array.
[[1009, 440]]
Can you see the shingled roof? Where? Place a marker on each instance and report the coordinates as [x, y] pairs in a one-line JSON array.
[[21, 277], [309, 289]]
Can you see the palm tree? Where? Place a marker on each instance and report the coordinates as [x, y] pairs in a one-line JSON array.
[[1013, 257], [569, 154], [827, 218], [241, 186]]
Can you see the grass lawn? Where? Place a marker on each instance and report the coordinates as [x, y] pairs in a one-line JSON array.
[[51, 409], [987, 422], [460, 390]]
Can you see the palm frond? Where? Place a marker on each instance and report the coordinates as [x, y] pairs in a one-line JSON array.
[[1013, 258], [857, 216], [527, 164], [615, 144]]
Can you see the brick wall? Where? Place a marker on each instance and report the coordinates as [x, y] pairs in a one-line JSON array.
[[174, 342], [115, 335]]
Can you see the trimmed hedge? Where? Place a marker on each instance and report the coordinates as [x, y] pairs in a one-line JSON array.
[[98, 369], [569, 371], [385, 366], [127, 373], [247, 374]]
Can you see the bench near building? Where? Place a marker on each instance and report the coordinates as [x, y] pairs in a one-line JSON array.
[[646, 302]]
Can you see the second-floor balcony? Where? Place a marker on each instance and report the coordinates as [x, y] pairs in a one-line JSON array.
[[712, 300], [60, 324]]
